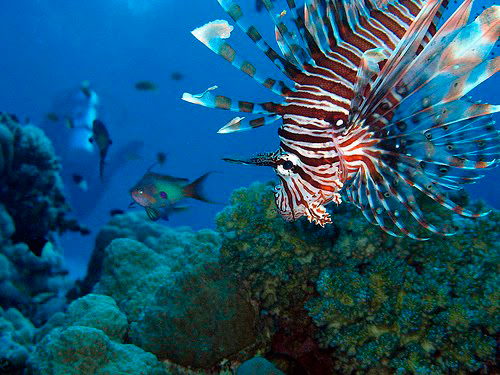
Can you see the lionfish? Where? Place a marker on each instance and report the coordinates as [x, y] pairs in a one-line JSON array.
[[378, 106]]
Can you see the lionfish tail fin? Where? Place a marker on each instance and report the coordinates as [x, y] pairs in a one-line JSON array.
[[423, 134]]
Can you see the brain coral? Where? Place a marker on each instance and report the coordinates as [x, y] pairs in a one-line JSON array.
[[379, 304]]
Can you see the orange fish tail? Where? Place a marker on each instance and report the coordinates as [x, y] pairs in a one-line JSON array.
[[195, 189]]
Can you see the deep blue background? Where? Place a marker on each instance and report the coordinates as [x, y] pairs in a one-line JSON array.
[[52, 45]]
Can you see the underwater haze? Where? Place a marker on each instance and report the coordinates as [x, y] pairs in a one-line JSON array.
[[52, 46], [127, 63]]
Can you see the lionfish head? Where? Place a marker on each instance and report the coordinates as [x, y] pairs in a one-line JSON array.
[[297, 194]]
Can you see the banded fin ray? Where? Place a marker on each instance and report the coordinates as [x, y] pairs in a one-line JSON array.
[[235, 12], [207, 99], [238, 124], [214, 35], [292, 46]]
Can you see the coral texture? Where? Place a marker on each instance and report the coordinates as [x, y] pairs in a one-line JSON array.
[[182, 306], [89, 339], [32, 207], [16, 335], [80, 350], [378, 303]]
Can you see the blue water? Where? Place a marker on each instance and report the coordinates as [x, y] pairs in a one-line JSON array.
[[53, 45]]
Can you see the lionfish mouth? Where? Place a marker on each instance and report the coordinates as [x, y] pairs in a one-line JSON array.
[[267, 159]]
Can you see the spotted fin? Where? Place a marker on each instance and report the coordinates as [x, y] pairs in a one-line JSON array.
[[430, 138]]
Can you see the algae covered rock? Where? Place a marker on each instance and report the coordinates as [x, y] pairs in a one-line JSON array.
[[181, 304], [196, 319]]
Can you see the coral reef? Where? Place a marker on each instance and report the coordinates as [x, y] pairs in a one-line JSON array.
[[80, 350], [378, 303], [308, 300], [183, 246], [32, 207], [31, 189], [181, 305], [16, 335], [196, 320], [258, 366], [89, 339]]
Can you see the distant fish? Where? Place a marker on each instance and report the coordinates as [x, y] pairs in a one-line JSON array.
[[176, 76], [80, 182], [145, 86], [159, 194], [116, 211], [52, 116], [100, 137], [161, 157]]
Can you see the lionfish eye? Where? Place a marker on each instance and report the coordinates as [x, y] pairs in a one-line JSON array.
[[288, 165]]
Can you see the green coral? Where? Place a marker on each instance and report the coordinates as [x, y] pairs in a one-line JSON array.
[[89, 339], [84, 350], [435, 311], [379, 303]]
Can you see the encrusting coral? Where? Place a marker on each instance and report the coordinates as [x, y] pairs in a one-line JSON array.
[[378, 303], [182, 306]]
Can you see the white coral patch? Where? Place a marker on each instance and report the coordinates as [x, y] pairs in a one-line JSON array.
[[213, 30]]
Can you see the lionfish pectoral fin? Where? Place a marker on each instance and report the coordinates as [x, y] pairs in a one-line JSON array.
[[368, 69], [400, 59], [428, 138]]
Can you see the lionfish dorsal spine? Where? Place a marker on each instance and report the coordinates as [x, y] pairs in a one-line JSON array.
[[377, 107]]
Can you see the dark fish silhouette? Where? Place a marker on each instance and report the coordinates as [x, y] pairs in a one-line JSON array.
[[145, 86], [100, 138]]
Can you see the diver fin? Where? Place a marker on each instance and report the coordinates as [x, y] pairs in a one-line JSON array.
[[153, 213]]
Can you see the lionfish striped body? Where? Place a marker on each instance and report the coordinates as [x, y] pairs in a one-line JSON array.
[[377, 107]]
